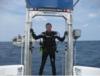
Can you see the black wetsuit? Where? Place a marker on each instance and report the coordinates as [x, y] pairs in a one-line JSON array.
[[49, 48]]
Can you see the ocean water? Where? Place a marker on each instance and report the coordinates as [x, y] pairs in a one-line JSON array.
[[86, 53]]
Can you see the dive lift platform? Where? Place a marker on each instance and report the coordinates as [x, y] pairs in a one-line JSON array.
[[57, 8]]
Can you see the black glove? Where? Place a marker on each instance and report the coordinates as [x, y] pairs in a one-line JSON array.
[[66, 33], [31, 30]]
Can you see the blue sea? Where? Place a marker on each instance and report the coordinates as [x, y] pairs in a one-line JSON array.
[[86, 53]]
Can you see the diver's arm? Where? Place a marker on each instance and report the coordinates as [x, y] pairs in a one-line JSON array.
[[61, 38], [35, 36]]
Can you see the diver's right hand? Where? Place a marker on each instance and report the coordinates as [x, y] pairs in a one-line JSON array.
[[32, 32]]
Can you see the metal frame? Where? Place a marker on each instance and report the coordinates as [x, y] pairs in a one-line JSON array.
[[28, 54]]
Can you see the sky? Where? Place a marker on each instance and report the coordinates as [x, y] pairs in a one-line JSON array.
[[86, 17]]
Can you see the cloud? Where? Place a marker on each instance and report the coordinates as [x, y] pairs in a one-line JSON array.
[[13, 6], [12, 19], [85, 25], [92, 15], [40, 18], [11, 24]]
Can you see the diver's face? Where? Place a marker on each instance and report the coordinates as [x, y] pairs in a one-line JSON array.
[[49, 28]]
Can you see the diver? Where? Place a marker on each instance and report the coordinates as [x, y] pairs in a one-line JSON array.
[[48, 46]]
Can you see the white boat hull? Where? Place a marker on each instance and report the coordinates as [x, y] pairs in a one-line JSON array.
[[11, 70], [86, 71], [18, 70]]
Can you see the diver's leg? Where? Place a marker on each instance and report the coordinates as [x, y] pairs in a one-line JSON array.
[[52, 59], [44, 57]]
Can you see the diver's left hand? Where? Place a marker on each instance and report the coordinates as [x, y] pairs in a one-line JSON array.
[[66, 33]]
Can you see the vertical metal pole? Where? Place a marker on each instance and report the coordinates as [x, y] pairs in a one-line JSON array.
[[22, 50], [69, 53], [27, 52], [66, 48]]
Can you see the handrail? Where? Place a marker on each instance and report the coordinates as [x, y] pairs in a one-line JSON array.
[[75, 3]]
